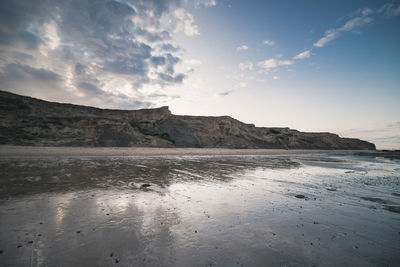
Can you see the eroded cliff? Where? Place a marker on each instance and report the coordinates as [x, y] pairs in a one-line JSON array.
[[30, 121]]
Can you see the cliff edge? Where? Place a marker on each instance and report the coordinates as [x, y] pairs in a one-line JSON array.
[[29, 121]]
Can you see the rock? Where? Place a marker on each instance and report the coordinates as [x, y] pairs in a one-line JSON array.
[[300, 196], [145, 185], [375, 199], [30, 242], [396, 194], [30, 121], [331, 189], [78, 232], [395, 209]]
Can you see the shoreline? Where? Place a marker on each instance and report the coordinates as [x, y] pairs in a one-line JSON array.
[[7, 151]]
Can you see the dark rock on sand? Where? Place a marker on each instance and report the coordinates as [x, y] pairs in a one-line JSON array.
[[377, 200], [30, 121], [145, 185], [393, 208], [396, 194], [300, 196]]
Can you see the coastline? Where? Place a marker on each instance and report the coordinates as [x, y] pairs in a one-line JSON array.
[[7, 151]]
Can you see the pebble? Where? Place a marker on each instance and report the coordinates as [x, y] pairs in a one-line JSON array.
[[300, 196]]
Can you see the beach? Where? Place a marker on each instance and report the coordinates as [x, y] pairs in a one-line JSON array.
[[197, 207]]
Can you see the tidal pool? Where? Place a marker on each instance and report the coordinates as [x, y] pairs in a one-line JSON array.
[[314, 209]]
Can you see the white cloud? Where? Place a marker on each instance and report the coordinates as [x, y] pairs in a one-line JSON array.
[[390, 10], [242, 84], [303, 55], [329, 36], [275, 78], [246, 66], [185, 22], [268, 42], [268, 64], [192, 62], [242, 48], [353, 24], [273, 63], [205, 3], [366, 11]]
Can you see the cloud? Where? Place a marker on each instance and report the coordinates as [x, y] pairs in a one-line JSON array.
[[238, 86], [359, 19], [329, 36], [268, 42], [269, 63], [185, 22], [242, 48], [273, 63], [205, 3], [275, 77], [226, 93], [192, 62], [390, 9], [363, 18], [246, 66], [69, 50], [15, 71], [303, 55], [354, 23]]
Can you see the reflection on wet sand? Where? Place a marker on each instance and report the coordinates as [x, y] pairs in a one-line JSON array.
[[199, 211]]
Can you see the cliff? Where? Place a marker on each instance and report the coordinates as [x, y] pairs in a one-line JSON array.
[[30, 121]]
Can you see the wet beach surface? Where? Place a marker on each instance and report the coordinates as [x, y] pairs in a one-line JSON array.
[[188, 209]]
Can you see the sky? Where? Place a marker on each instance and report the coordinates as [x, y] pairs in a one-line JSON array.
[[319, 66]]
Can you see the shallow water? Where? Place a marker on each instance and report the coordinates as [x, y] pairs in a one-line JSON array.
[[206, 210]]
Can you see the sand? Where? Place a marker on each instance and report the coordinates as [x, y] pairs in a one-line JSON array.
[[197, 207]]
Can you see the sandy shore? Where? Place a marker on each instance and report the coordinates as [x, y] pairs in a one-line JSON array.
[[6, 151], [196, 207]]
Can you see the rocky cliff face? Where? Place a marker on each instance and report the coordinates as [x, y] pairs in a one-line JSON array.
[[29, 121]]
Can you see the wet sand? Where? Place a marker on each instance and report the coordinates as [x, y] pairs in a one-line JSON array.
[[178, 207], [10, 151]]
